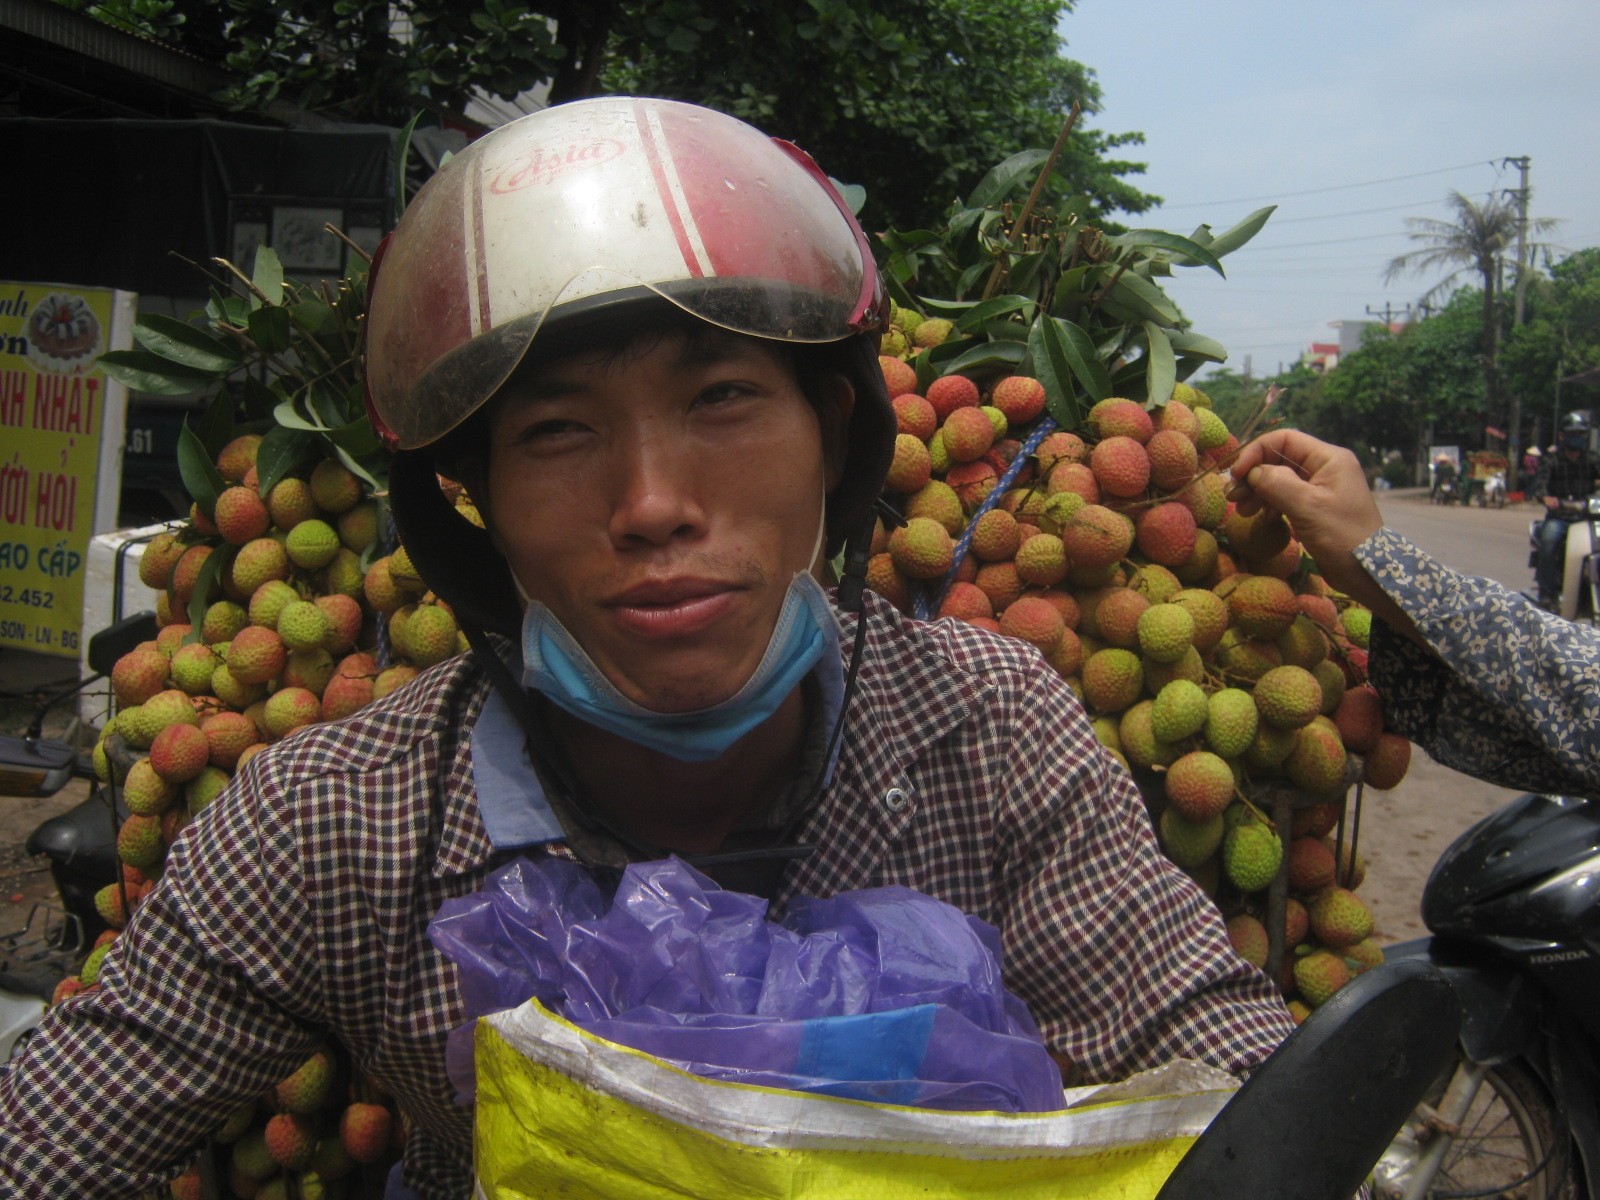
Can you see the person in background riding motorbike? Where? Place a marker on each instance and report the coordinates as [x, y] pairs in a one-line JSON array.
[[1565, 478], [645, 336], [1479, 677], [1444, 477]]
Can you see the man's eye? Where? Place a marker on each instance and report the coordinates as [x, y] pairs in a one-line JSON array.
[[541, 431], [723, 393]]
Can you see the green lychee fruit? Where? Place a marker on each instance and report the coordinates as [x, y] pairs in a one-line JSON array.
[[204, 788], [1339, 917], [921, 549], [1358, 625], [334, 488], [1330, 677], [358, 527], [289, 708], [1251, 854], [938, 502], [1318, 761], [1263, 606], [1165, 631], [1179, 711], [1231, 722], [1113, 679], [1288, 697], [290, 502], [309, 1087], [1319, 975], [1209, 612], [1042, 560], [312, 544], [221, 621], [146, 791], [1189, 843], [302, 625], [1140, 745], [139, 841], [428, 635], [192, 666]]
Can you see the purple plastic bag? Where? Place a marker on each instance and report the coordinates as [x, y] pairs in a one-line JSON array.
[[883, 994]]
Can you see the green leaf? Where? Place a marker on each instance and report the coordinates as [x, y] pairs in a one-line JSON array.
[[218, 561], [1001, 179], [267, 275], [1161, 373], [1056, 349], [972, 276], [1232, 239], [153, 375], [1197, 345], [358, 437], [215, 426], [853, 194], [270, 329], [255, 399], [987, 354], [401, 150], [1173, 243], [356, 468], [198, 471], [182, 343], [316, 318], [1146, 298], [280, 452], [1024, 270], [985, 311], [289, 415]]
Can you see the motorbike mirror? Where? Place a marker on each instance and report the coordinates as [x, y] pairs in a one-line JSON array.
[[33, 768], [112, 642], [1317, 1115]]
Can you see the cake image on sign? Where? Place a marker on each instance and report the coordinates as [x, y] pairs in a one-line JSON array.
[[63, 334]]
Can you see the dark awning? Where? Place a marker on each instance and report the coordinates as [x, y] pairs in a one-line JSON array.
[[111, 203]]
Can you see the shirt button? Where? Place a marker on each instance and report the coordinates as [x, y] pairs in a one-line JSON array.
[[896, 800]]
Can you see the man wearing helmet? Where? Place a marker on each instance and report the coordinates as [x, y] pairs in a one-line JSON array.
[[643, 335], [1565, 478]]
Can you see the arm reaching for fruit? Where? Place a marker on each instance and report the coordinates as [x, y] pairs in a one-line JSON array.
[[1487, 683]]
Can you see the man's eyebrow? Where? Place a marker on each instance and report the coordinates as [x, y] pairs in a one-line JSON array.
[[718, 346]]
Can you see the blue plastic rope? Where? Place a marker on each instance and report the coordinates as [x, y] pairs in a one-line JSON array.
[[925, 601]]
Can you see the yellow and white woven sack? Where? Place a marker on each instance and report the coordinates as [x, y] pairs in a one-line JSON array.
[[561, 1113]]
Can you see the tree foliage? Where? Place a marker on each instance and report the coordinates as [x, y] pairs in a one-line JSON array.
[[1560, 338], [914, 99]]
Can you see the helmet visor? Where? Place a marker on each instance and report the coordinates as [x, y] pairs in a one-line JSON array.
[[573, 209]]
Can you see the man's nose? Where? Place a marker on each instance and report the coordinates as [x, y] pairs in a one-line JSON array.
[[658, 482]]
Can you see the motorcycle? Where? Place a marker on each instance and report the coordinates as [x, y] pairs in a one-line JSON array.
[[1580, 577], [81, 845], [1515, 920], [1492, 493], [1444, 490]]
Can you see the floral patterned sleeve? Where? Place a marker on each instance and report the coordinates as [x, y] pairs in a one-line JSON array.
[[1509, 694]]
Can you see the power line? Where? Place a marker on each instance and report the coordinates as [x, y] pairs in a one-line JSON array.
[[1363, 237], [1358, 212], [1338, 187]]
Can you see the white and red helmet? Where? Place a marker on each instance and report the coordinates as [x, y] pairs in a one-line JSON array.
[[574, 214], [591, 204]]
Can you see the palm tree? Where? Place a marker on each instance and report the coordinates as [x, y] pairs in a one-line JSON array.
[[1476, 241]]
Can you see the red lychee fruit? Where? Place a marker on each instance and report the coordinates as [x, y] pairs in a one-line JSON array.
[[344, 622], [1059, 447], [179, 752], [227, 734], [968, 434], [158, 559], [914, 415], [1116, 417], [950, 393], [1096, 537], [291, 1140], [236, 459], [138, 675], [364, 1132], [898, 376], [240, 516], [965, 601], [1077, 478], [972, 482], [186, 574], [1020, 398], [1360, 718], [1166, 534], [1173, 461], [1033, 620], [256, 654], [1387, 762], [1120, 466], [995, 536]]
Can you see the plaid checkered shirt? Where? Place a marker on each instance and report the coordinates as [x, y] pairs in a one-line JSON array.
[[295, 908]]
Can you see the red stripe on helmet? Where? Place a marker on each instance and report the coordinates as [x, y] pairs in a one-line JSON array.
[[669, 202]]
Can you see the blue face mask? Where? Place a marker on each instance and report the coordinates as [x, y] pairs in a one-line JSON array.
[[556, 665]]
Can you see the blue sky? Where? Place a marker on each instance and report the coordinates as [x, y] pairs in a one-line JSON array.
[[1332, 112]]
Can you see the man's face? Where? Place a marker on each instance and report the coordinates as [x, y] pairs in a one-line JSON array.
[[659, 501]]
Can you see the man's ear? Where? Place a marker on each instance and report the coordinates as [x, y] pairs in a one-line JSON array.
[[838, 402]]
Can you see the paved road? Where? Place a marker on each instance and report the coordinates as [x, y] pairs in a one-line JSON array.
[[1403, 832]]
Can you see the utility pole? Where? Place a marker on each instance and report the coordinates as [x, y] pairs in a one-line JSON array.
[[1389, 313], [1514, 445]]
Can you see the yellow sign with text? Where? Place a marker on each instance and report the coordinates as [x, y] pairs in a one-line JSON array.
[[61, 429]]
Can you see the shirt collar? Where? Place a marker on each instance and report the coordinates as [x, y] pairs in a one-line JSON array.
[[511, 799]]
